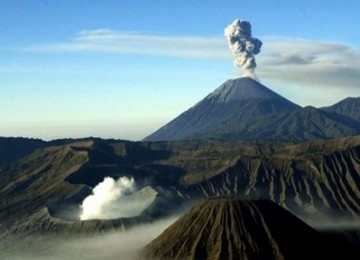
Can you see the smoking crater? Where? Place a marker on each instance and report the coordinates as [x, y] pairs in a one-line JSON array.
[[116, 198]]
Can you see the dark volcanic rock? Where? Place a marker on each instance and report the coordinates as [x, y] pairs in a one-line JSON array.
[[229, 228]]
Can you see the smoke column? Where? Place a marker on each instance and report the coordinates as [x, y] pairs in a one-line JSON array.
[[243, 45], [105, 194]]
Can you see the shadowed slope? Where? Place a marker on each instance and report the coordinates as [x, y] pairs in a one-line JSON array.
[[229, 228], [13, 148], [349, 107], [310, 123]]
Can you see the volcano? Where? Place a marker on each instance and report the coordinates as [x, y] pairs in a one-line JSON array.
[[230, 228], [237, 109], [244, 109]]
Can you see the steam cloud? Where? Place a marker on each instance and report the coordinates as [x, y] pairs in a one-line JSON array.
[[107, 199], [243, 45]]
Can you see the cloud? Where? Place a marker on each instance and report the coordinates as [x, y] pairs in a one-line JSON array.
[[109, 41], [311, 63], [329, 68]]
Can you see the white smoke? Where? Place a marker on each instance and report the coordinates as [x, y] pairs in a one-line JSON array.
[[108, 200], [243, 45]]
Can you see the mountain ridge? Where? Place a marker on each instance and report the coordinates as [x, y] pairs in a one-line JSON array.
[[315, 178], [349, 107], [243, 108]]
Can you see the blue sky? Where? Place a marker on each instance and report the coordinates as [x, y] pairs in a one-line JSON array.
[[122, 69]]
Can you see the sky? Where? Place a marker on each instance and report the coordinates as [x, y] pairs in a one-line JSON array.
[[122, 69]]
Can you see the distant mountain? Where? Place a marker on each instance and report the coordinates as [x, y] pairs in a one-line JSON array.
[[349, 107], [237, 109], [230, 228], [243, 109], [310, 123]]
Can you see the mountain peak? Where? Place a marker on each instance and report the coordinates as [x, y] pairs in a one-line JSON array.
[[227, 113], [243, 88]]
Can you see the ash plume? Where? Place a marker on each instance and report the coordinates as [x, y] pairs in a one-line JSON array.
[[243, 45]]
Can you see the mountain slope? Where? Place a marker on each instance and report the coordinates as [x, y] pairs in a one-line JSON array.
[[349, 107], [12, 148], [37, 180], [315, 179], [232, 110], [313, 186], [310, 123], [229, 228], [244, 109]]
